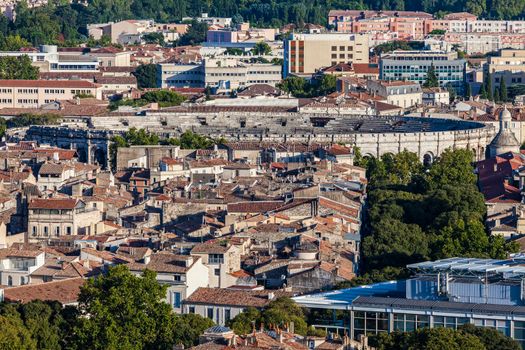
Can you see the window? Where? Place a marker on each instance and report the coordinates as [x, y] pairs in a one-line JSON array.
[[57, 231], [68, 230], [216, 259], [176, 278], [217, 272], [35, 230], [227, 315], [176, 299], [46, 231], [9, 280], [209, 313], [191, 309]]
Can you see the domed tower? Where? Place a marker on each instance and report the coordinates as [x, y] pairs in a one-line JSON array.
[[505, 140]]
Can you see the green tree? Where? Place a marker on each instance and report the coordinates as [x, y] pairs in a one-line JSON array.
[[429, 339], [488, 87], [195, 35], [28, 119], [432, 79], [503, 93], [468, 91], [244, 322], [13, 43], [154, 38], [261, 49], [188, 328], [122, 311], [491, 338], [14, 335], [293, 85], [17, 68], [146, 75], [483, 91], [496, 95]]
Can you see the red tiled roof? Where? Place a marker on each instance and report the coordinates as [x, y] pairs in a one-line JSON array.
[[53, 203], [244, 298], [254, 207], [65, 291], [48, 83]]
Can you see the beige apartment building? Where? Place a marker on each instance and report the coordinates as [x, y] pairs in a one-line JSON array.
[[307, 53], [508, 66], [56, 217], [35, 93]]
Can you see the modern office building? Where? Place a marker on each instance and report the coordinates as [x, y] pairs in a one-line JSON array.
[[414, 65], [307, 53], [508, 66], [224, 74], [444, 293], [49, 59]]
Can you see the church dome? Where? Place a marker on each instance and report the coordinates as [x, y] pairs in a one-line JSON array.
[[505, 115], [505, 140]]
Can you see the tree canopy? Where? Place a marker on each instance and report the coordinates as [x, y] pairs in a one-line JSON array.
[[419, 212], [300, 87], [466, 337], [279, 313], [17, 68], [64, 23]]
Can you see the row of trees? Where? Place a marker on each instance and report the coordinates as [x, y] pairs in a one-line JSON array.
[[496, 94], [115, 311], [136, 137], [467, 337], [164, 98], [64, 22], [420, 212], [300, 87]]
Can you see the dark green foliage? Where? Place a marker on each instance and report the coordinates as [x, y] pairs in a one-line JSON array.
[[465, 337], [515, 90], [28, 119], [146, 75], [17, 68], [396, 45], [261, 48], [195, 35], [62, 22], [437, 32], [154, 38], [125, 312], [165, 98], [432, 79], [188, 328], [299, 87], [468, 91], [503, 93], [279, 313], [491, 338], [418, 213], [428, 339]]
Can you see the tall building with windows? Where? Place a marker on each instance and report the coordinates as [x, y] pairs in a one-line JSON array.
[[444, 293], [307, 53], [414, 65], [508, 66]]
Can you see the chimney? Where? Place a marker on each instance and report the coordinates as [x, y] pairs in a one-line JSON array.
[[56, 158], [147, 259], [271, 296]]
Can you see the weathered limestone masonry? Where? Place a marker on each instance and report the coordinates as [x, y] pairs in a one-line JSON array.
[[375, 136]]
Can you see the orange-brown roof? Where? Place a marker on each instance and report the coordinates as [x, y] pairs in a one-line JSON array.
[[65, 291]]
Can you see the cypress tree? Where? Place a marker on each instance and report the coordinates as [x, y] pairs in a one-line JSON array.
[[432, 79], [488, 88], [496, 95], [483, 91], [468, 91], [503, 93]]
